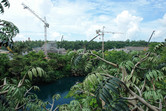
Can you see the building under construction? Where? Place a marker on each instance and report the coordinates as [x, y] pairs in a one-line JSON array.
[[51, 47]]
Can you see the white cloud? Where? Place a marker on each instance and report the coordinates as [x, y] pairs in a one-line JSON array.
[[20, 37], [91, 31], [80, 19], [158, 25], [55, 36], [163, 20], [127, 23]]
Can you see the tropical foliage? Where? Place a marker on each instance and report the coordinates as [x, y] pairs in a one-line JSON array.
[[135, 84], [22, 46], [119, 81], [7, 29]]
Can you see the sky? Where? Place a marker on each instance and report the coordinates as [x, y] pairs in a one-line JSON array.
[[79, 19]]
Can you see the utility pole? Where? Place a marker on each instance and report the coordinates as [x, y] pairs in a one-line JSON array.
[[46, 25], [99, 32]]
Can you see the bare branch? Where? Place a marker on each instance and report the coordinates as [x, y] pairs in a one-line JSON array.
[[1, 86], [4, 82], [135, 107], [49, 103], [22, 81], [52, 105], [45, 108], [143, 87], [124, 73], [142, 100], [106, 73], [17, 108], [160, 105], [132, 72], [28, 91], [3, 92], [80, 107], [130, 98], [56, 108], [139, 91], [139, 62], [108, 62], [153, 85]]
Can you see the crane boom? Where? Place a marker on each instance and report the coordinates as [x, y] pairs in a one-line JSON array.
[[26, 7], [99, 32], [46, 25], [114, 32]]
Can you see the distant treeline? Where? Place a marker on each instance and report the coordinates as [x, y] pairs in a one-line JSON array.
[[21, 46], [93, 45]]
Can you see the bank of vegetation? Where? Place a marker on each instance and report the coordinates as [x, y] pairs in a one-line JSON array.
[[25, 46]]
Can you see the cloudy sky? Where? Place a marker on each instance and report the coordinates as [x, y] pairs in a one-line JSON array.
[[79, 19]]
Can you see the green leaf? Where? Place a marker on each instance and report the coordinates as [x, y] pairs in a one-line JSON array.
[[128, 77], [133, 79], [104, 98], [155, 74], [15, 91], [148, 77], [112, 88], [36, 88], [107, 93], [30, 75], [34, 72], [151, 74]]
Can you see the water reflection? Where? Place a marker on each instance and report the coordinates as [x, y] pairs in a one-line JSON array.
[[61, 86]]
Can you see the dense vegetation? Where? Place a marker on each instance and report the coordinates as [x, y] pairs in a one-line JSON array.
[[137, 83], [93, 45], [130, 73], [22, 46], [119, 81]]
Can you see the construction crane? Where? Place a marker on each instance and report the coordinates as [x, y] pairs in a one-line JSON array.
[[46, 25], [149, 40], [150, 37], [89, 42], [62, 38], [99, 32]]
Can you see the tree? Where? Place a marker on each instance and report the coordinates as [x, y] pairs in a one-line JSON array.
[[136, 84], [7, 30], [14, 93], [4, 61]]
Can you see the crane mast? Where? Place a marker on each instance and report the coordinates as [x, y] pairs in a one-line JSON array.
[[46, 25], [99, 32]]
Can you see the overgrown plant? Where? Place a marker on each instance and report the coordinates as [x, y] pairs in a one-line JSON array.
[[136, 84], [7, 29], [15, 94]]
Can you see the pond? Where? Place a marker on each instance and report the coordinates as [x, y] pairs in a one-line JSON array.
[[61, 86]]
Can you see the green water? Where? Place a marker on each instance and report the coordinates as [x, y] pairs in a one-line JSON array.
[[61, 86]]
